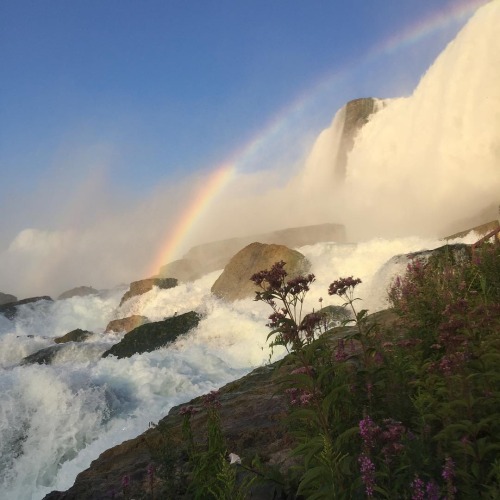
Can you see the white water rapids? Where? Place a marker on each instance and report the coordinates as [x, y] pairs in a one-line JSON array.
[[55, 419]]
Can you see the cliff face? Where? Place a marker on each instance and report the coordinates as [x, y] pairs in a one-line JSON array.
[[357, 112]]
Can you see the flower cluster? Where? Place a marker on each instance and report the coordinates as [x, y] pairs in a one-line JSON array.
[[342, 286], [299, 285], [367, 469], [211, 400], [368, 431], [299, 397], [418, 489], [188, 410], [275, 277]]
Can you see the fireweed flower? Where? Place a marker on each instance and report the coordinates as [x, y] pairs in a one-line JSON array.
[[448, 470], [432, 490], [367, 469], [369, 431], [417, 489]]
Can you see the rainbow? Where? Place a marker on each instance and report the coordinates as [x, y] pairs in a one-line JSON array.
[[199, 203], [277, 127]]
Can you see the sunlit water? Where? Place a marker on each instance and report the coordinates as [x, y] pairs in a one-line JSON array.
[[55, 419]]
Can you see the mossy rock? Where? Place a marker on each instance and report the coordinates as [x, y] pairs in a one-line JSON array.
[[152, 336], [77, 335]]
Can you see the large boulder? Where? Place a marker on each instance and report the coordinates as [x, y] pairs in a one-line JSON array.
[[143, 286], [234, 282], [126, 324], [79, 291], [77, 335], [10, 310], [6, 298], [152, 336], [203, 259]]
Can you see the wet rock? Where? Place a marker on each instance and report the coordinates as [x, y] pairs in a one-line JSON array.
[[10, 310], [234, 283], [481, 230], [143, 286], [6, 298], [80, 291], [152, 336], [43, 356], [77, 335], [126, 324]]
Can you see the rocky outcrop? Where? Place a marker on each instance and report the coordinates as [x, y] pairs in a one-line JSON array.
[[126, 324], [457, 253], [77, 335], [143, 286], [6, 298], [43, 356], [481, 230], [209, 257], [234, 282], [357, 113], [152, 336], [80, 291], [10, 310]]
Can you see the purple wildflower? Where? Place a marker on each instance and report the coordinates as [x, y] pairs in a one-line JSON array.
[[417, 486], [211, 400], [343, 285], [432, 490], [368, 431], [188, 410], [367, 469]]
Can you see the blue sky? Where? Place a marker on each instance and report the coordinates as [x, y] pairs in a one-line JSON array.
[[119, 96]]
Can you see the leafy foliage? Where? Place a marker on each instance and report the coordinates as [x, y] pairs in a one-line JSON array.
[[390, 415]]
